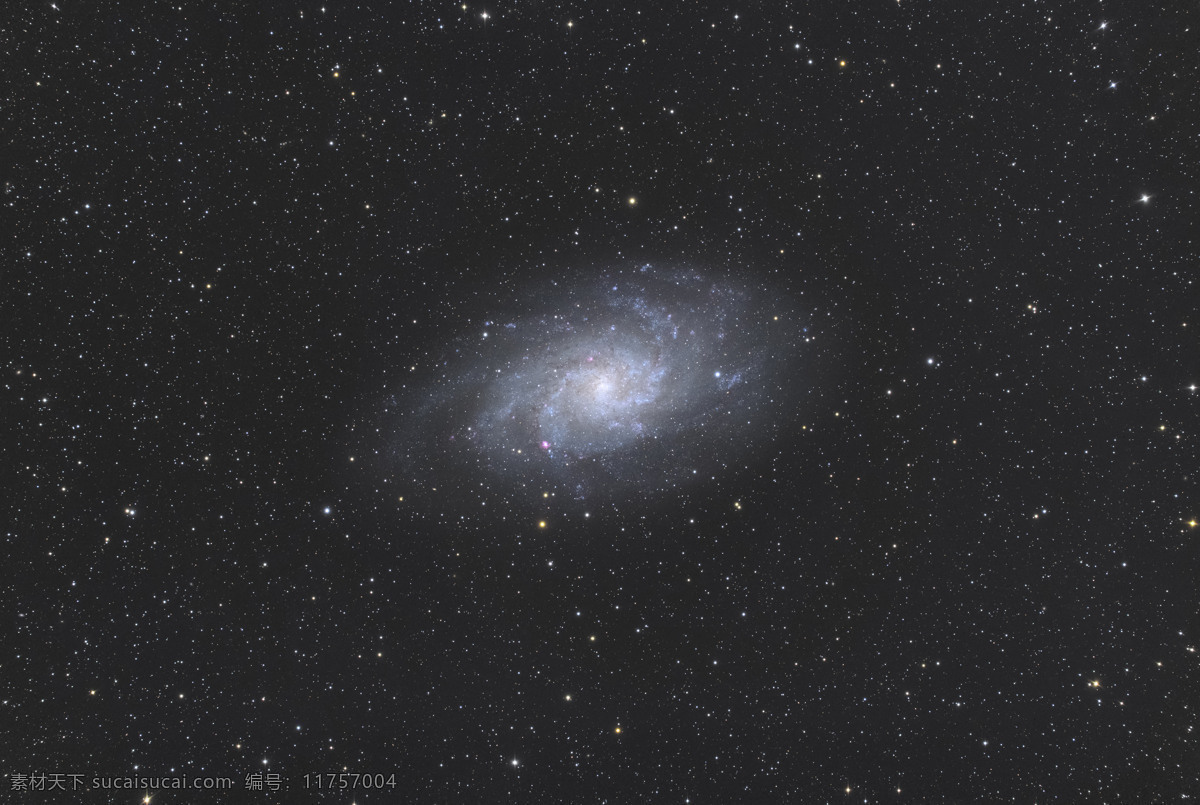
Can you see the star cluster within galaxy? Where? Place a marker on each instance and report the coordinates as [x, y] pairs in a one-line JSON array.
[[634, 378]]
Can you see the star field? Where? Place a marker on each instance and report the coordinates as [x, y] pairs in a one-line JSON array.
[[549, 403]]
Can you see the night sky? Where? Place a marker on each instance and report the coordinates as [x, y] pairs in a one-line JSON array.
[[777, 402]]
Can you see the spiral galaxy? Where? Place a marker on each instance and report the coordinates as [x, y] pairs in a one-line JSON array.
[[642, 377]]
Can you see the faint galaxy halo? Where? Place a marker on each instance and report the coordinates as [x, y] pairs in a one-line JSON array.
[[632, 378]]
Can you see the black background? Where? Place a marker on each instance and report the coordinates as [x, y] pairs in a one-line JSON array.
[[963, 571]]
